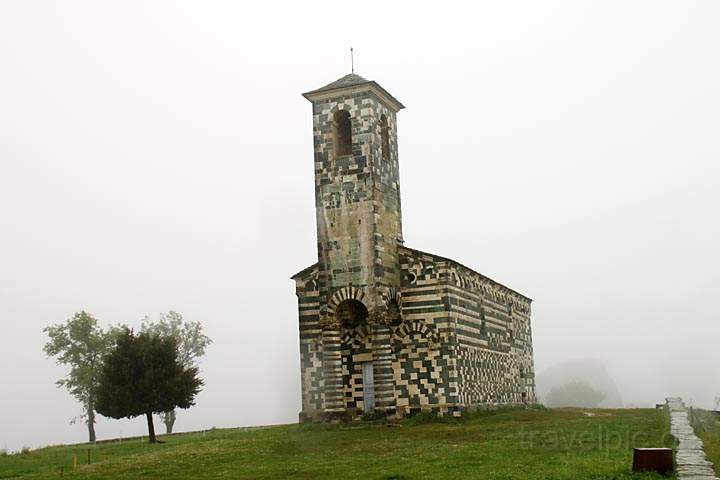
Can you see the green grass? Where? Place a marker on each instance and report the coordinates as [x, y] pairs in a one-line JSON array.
[[707, 427], [511, 444]]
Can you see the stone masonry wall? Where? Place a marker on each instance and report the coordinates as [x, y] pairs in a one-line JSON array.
[[485, 329], [357, 200], [494, 340], [311, 378], [424, 341], [462, 341]]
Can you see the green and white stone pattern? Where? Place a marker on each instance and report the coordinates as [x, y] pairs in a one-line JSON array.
[[440, 336]]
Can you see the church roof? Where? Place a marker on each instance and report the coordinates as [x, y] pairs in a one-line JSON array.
[[305, 271], [352, 80], [348, 80]]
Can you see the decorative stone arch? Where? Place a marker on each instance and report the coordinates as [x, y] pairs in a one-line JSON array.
[[345, 293], [355, 338], [392, 300], [347, 104], [351, 313], [417, 326], [458, 279], [391, 294]]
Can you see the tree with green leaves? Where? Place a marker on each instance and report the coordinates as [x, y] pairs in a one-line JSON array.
[[80, 344], [191, 343], [142, 374]]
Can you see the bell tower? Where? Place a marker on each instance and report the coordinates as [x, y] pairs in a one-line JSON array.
[[357, 186], [359, 225]]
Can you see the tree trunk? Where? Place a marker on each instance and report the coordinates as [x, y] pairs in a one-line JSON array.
[[169, 421], [151, 428], [91, 422]]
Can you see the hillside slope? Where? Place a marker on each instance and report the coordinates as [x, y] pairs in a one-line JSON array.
[[516, 444]]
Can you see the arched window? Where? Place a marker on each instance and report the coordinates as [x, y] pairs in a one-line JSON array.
[[342, 133], [351, 313], [385, 137]]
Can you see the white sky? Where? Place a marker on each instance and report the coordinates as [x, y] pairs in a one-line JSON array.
[[157, 155]]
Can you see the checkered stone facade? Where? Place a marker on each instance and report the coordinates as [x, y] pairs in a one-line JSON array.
[[356, 347], [436, 335]]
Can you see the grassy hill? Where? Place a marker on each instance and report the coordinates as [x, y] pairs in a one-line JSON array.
[[707, 427], [513, 444]]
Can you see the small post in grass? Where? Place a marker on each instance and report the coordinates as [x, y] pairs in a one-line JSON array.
[[653, 460], [74, 461], [88, 456]]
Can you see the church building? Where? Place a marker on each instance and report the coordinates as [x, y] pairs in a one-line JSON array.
[[386, 329]]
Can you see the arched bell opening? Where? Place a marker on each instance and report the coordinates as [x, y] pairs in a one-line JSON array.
[[385, 138], [342, 133]]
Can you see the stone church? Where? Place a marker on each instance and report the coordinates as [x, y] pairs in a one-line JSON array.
[[384, 328]]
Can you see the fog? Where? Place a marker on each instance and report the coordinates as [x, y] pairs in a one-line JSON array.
[[157, 155]]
